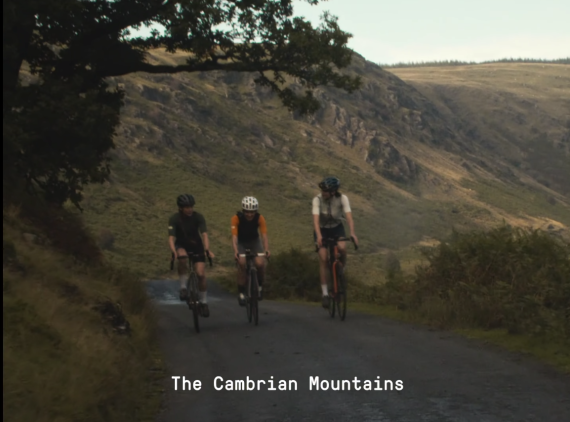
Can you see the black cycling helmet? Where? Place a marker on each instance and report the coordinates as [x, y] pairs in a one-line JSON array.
[[330, 184], [185, 200]]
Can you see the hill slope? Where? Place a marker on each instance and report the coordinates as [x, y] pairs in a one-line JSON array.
[[71, 325], [518, 112], [415, 160]]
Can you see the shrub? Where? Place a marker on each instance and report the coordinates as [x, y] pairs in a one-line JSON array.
[[392, 265], [293, 274], [518, 279]]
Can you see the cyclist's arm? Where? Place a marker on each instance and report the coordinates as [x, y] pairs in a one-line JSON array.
[[265, 242], [316, 225], [206, 241], [316, 216], [348, 214], [350, 222], [263, 231], [235, 244], [204, 232], [235, 224], [171, 244], [172, 235]]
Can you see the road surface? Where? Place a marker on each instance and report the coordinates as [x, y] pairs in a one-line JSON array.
[[403, 373]]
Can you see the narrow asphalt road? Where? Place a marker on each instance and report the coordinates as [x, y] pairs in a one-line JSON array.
[[444, 377]]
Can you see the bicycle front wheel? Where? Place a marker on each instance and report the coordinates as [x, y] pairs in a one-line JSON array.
[[253, 298], [341, 294], [248, 297], [332, 294], [194, 301]]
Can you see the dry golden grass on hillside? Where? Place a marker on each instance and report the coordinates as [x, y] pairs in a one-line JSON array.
[[515, 113], [547, 83]]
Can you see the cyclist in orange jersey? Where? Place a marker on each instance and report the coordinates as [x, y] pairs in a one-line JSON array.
[[249, 230]]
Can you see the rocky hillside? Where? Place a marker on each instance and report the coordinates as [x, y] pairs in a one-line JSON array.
[[416, 159], [518, 113]]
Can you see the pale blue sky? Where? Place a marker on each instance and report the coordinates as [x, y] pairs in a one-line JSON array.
[[469, 30], [395, 31]]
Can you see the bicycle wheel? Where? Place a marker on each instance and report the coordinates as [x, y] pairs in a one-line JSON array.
[[341, 294], [248, 297], [332, 296], [254, 297], [194, 302]]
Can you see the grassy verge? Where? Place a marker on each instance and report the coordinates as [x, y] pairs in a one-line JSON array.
[[550, 350], [78, 336]]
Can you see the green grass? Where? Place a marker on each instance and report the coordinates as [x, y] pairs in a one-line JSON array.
[[62, 358]]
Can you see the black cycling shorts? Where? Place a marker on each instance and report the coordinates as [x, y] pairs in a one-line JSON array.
[[197, 252], [331, 232]]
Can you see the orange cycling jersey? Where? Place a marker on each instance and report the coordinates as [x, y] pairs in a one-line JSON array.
[[235, 225]]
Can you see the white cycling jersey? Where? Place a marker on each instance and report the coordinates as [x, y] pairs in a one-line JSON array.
[[332, 211]]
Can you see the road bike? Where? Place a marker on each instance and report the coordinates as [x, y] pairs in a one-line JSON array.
[[193, 297], [337, 282], [252, 286]]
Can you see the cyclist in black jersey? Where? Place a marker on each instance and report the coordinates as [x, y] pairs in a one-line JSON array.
[[187, 233]]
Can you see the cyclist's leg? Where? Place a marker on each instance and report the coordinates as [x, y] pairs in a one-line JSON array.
[[339, 231], [182, 271], [200, 268], [260, 262], [323, 270], [324, 273], [241, 275]]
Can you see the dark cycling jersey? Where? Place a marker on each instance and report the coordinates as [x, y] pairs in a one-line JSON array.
[[186, 229], [247, 231]]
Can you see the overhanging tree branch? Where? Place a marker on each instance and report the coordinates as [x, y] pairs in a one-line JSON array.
[[77, 44], [199, 67]]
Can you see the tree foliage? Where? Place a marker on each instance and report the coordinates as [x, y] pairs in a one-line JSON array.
[[60, 129]]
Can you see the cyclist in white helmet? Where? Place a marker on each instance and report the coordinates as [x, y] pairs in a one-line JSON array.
[[249, 229]]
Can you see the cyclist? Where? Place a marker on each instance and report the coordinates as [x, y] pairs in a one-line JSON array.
[[247, 226], [330, 209], [187, 233]]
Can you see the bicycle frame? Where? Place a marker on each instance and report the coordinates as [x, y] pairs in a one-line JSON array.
[[192, 299], [333, 261], [251, 300], [192, 284], [333, 254]]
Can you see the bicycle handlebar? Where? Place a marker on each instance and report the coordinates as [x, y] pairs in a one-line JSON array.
[[243, 255], [258, 254], [338, 239], [172, 260]]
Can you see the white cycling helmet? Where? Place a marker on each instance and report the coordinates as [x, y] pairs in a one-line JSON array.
[[249, 203]]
